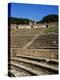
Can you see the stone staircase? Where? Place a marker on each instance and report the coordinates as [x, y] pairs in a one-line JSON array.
[[31, 66], [23, 64]]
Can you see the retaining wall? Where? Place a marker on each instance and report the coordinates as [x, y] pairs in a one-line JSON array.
[[47, 53]]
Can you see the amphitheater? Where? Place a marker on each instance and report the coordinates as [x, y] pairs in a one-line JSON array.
[[32, 52]]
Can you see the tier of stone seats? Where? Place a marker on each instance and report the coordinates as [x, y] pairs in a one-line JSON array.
[[48, 40], [26, 31], [20, 41], [32, 65]]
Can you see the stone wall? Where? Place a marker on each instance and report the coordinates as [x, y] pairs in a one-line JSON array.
[[47, 53], [14, 26]]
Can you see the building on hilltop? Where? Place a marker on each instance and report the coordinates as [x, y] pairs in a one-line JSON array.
[[32, 25]]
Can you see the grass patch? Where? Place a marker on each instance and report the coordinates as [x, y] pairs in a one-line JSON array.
[[13, 30], [51, 29]]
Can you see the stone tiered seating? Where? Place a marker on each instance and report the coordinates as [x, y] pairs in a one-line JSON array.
[[20, 41], [49, 40], [26, 31], [23, 65], [39, 58], [34, 65]]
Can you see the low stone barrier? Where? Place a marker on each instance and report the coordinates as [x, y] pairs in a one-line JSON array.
[[46, 53]]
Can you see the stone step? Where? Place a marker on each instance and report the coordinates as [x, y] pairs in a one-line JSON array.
[[42, 65], [42, 61], [31, 71], [55, 61], [12, 73], [18, 72]]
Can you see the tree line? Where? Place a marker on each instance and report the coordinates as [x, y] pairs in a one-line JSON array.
[[49, 18], [45, 19], [13, 20]]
